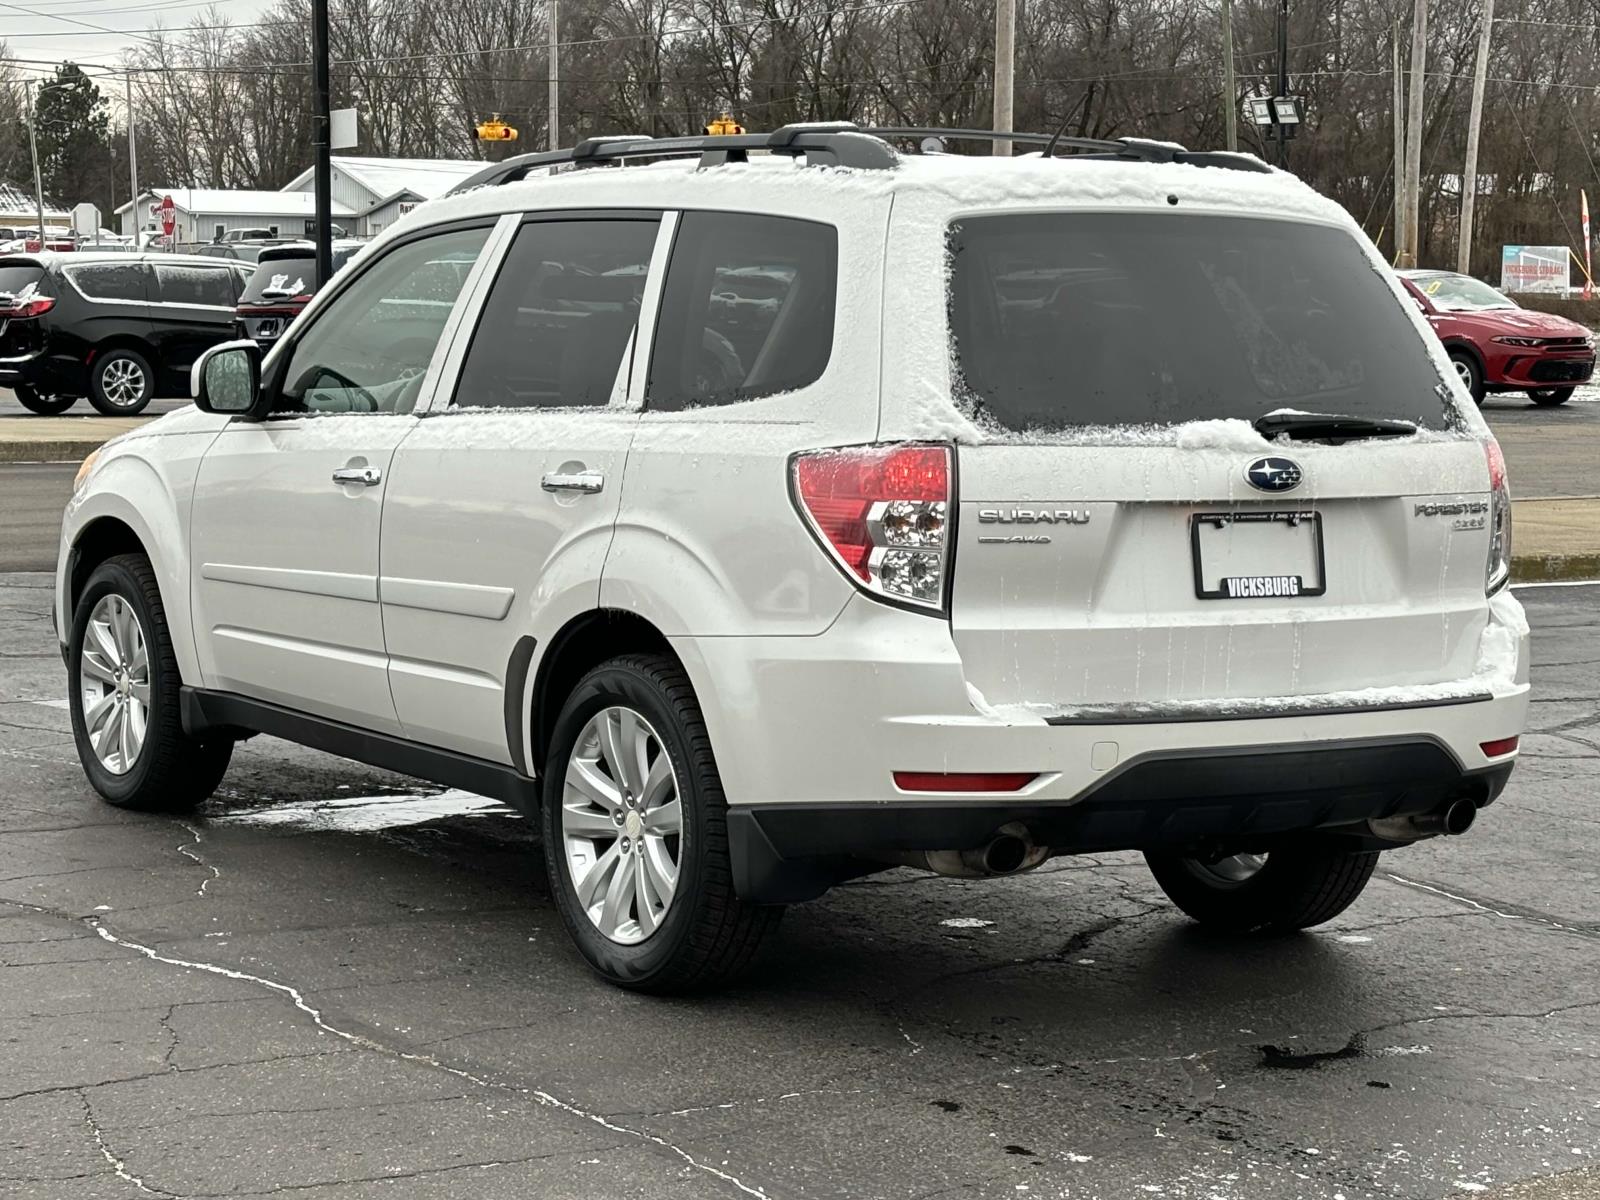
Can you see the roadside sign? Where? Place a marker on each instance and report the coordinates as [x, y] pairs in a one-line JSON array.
[[342, 133], [86, 220], [168, 213], [1534, 269]]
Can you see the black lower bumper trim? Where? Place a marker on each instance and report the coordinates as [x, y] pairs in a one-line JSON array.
[[794, 852]]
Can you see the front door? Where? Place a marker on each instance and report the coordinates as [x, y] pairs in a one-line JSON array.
[[194, 310], [501, 505], [284, 540]]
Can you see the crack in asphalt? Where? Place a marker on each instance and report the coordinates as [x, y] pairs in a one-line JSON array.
[[361, 1041], [117, 1165], [189, 851], [419, 1173], [58, 1089], [1505, 910]]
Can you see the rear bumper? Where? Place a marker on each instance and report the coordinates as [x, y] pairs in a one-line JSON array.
[[809, 731]]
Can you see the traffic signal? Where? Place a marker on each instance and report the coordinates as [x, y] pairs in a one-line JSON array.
[[723, 126], [494, 130]]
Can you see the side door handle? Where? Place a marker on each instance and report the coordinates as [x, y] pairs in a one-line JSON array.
[[573, 481], [358, 476]]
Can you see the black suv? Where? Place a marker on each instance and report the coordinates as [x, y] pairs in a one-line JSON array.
[[284, 281], [120, 329]]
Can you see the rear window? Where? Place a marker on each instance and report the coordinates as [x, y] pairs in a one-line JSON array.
[[1066, 320], [16, 277], [280, 279], [111, 281]]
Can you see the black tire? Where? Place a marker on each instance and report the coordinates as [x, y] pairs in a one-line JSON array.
[[45, 406], [1295, 888], [1550, 397], [708, 934], [1466, 365], [104, 373], [171, 772]]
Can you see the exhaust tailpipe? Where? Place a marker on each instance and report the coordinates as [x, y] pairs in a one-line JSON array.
[[1452, 819], [1010, 851]]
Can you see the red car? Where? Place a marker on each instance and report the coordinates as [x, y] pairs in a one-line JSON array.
[[1498, 346]]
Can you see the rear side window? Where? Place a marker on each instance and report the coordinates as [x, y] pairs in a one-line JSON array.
[[558, 319], [182, 283], [747, 310], [112, 281], [1064, 320]]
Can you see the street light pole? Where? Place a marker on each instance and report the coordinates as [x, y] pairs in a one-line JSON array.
[[1005, 64], [1283, 76], [1230, 98], [555, 78], [33, 149], [133, 165], [1469, 173], [322, 165]]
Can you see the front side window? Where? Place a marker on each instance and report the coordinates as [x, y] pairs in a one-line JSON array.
[[559, 317], [112, 281], [181, 283], [369, 350], [746, 311], [1063, 320]]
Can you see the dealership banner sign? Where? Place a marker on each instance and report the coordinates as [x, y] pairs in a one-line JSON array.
[[1535, 269]]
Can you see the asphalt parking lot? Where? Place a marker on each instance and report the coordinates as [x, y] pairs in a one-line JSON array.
[[332, 983]]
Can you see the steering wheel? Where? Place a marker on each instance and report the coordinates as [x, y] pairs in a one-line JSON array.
[[345, 383]]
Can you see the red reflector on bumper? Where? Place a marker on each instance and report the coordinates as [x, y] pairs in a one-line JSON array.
[[932, 781], [1498, 747]]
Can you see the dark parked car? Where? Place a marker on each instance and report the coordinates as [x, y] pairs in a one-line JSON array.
[[1499, 346], [120, 329], [284, 281]]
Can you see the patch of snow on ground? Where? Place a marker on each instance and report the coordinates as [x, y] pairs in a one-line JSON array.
[[966, 923], [369, 814], [63, 704]]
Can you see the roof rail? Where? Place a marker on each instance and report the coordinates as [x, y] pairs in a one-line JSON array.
[[840, 144], [1128, 149]]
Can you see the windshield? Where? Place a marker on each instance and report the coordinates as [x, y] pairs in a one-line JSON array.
[[1460, 293], [1065, 320]]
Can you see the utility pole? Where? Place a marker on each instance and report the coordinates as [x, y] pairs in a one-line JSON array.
[[133, 166], [555, 79], [1230, 97], [1283, 77], [33, 149], [321, 121], [1005, 63], [1399, 145], [1469, 174], [1419, 72]]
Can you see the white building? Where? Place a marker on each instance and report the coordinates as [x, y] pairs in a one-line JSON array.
[[379, 191], [19, 208], [208, 214]]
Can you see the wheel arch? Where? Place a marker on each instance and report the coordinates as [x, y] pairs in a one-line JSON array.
[[125, 341], [583, 643], [1453, 344]]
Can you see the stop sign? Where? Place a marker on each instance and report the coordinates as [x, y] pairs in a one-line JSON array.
[[169, 216]]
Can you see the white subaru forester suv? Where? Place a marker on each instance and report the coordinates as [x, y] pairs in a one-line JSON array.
[[777, 508]]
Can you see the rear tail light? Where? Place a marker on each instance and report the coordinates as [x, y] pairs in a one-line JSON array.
[[883, 513], [33, 306], [1498, 569], [962, 781]]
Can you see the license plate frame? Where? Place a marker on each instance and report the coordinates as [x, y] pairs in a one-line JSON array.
[[1292, 518]]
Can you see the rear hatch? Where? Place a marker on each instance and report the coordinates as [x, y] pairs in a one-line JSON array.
[[283, 283], [1154, 521], [24, 298]]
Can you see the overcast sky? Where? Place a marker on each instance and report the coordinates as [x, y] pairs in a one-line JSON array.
[[98, 31]]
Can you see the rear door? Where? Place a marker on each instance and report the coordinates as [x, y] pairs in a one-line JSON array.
[[193, 312], [501, 505], [1128, 542]]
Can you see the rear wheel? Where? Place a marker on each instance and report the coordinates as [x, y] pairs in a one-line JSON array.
[[1470, 373], [45, 406], [1550, 397], [1275, 892], [121, 383], [124, 702], [636, 835]]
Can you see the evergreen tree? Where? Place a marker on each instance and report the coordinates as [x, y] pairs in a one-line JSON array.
[[72, 130]]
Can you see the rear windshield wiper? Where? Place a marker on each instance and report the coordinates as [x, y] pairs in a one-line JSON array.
[[1301, 426]]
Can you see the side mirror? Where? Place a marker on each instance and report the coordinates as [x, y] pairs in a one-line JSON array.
[[227, 378]]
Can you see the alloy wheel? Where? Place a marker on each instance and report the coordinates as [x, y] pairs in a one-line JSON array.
[[123, 382], [1231, 871], [114, 684], [1464, 370], [622, 825]]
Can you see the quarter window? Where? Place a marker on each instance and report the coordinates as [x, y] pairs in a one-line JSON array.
[[181, 283], [111, 281], [747, 310], [369, 350], [559, 317]]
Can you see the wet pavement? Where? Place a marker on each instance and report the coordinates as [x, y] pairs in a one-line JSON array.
[[337, 983]]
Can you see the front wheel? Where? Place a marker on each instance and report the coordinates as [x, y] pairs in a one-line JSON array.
[[124, 699], [121, 383], [1274, 892], [44, 406], [1470, 373], [636, 833], [1550, 397]]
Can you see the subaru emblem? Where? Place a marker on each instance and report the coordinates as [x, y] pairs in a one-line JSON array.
[[1273, 474]]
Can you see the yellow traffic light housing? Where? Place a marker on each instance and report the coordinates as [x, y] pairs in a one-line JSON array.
[[723, 126], [494, 130]]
